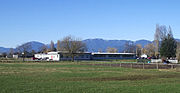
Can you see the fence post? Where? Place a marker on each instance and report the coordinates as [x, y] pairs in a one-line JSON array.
[[143, 65], [157, 66], [131, 65], [172, 66]]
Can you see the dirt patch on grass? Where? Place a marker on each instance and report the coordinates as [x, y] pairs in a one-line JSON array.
[[11, 72], [123, 78]]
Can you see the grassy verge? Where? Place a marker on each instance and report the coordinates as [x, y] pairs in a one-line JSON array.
[[68, 77]]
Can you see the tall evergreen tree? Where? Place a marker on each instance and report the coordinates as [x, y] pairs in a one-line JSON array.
[[168, 46]]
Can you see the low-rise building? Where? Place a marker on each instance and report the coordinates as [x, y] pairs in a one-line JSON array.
[[58, 56], [77, 56], [99, 56]]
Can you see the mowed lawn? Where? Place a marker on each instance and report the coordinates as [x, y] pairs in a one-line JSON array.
[[75, 78]]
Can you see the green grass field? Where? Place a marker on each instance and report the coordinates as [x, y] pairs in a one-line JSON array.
[[75, 78]]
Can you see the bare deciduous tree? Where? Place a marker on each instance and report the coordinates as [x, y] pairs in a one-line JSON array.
[[112, 50], [58, 45], [157, 38], [150, 49], [4, 54], [100, 50], [73, 46], [178, 51], [170, 31], [138, 50], [160, 33], [52, 48], [24, 49], [33, 52], [130, 47], [43, 49], [11, 52], [144, 51]]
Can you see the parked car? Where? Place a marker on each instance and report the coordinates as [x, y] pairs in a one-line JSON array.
[[35, 58], [149, 58]]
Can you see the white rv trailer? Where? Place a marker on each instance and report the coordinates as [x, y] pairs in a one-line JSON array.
[[54, 56]]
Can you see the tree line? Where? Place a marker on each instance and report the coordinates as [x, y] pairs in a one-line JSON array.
[[69, 44], [163, 46]]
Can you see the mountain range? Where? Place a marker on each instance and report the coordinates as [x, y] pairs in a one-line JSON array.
[[93, 45]]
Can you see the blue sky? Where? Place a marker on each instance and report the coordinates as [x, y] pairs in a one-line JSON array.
[[45, 20]]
